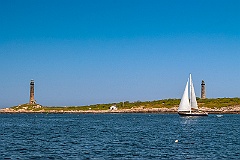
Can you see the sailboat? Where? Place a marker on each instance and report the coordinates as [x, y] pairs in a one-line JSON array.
[[188, 106]]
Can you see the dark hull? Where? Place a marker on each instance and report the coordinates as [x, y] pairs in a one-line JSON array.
[[193, 114]]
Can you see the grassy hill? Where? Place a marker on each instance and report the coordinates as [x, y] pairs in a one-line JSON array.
[[165, 103]]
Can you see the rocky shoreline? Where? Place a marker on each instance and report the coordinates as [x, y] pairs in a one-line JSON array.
[[173, 110]]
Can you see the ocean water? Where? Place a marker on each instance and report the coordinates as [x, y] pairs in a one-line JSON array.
[[119, 136]]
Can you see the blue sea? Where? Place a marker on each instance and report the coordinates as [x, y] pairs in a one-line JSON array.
[[119, 136]]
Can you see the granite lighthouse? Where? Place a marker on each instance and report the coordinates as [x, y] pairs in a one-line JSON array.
[[32, 100], [203, 90]]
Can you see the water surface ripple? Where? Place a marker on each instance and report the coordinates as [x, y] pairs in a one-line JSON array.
[[118, 136]]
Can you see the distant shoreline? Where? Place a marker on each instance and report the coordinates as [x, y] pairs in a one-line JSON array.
[[108, 112], [155, 110], [168, 106]]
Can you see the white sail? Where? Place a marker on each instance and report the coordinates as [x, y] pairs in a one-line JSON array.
[[184, 104], [193, 100], [185, 107]]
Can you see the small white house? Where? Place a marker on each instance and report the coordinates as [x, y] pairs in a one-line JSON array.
[[113, 108]]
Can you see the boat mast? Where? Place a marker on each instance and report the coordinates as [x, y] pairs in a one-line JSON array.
[[190, 93]]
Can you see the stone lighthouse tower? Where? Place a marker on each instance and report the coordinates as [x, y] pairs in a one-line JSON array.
[[203, 90], [32, 100]]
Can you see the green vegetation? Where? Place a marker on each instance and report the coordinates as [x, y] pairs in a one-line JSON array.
[[165, 103], [219, 102]]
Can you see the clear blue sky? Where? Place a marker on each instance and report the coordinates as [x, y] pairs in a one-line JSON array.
[[90, 51]]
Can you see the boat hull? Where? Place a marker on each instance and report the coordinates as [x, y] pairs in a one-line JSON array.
[[193, 114]]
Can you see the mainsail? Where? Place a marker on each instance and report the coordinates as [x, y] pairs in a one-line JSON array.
[[193, 100], [184, 104]]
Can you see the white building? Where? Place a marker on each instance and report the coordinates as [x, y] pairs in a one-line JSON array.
[[113, 108]]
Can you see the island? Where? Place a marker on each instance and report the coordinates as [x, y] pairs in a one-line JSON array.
[[213, 105]]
